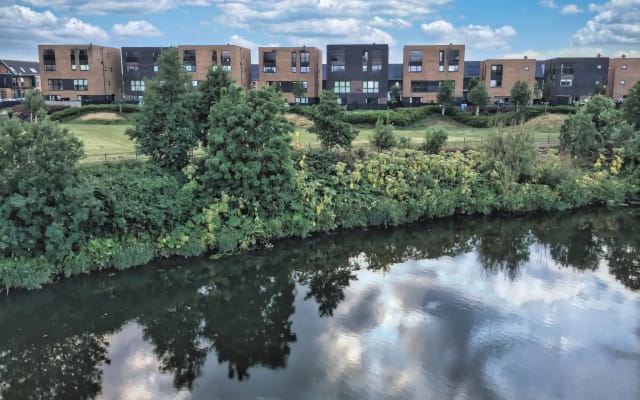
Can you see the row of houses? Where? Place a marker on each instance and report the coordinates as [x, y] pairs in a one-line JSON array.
[[359, 74]]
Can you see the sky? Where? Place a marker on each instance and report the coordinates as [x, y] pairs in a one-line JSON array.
[[490, 28]]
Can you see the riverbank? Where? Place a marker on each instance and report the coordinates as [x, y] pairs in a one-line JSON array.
[[141, 212]]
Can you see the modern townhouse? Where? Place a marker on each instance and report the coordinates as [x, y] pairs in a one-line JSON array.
[[17, 78], [624, 73], [499, 76], [427, 66], [85, 73], [138, 65], [286, 67], [197, 60], [358, 74], [574, 79]]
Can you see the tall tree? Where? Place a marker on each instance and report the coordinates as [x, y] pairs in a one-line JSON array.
[[446, 96], [164, 130], [35, 104], [298, 90], [249, 149], [631, 107], [210, 92], [520, 94], [599, 88], [547, 90], [329, 122], [479, 96]]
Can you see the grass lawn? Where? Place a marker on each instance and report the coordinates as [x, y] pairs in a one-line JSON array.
[[108, 141]]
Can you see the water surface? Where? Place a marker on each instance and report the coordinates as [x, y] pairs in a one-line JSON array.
[[540, 307]]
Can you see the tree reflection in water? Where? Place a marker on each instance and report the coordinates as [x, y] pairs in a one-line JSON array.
[[241, 307]]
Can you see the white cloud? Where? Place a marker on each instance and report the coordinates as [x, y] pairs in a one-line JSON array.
[[571, 9], [548, 3], [616, 23], [397, 23], [473, 36], [83, 7], [136, 29], [573, 52]]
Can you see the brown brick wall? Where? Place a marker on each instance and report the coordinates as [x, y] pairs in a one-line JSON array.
[[618, 73], [284, 73], [512, 71], [430, 72], [104, 76], [240, 62]]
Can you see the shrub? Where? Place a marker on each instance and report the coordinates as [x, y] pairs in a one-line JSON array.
[[434, 140], [382, 137]]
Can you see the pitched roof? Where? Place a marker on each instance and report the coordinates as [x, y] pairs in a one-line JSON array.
[[21, 67]]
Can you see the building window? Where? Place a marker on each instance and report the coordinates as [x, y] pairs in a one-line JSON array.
[[83, 57], [189, 60], [226, 60], [137, 86], [337, 61], [80, 84], [441, 61], [415, 60], [370, 87], [294, 61], [49, 59], [376, 61], [155, 68], [214, 57], [622, 83], [453, 59], [599, 66], [371, 100], [365, 61], [194, 83], [624, 66], [305, 62], [342, 87], [425, 86], [496, 76], [526, 68], [55, 84], [132, 66], [269, 62], [566, 82], [302, 100], [72, 60]]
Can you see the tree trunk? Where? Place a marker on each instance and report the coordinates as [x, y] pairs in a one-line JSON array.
[[477, 110]]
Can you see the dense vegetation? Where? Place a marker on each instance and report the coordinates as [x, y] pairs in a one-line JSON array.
[[59, 219]]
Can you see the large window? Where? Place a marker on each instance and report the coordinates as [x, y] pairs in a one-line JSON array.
[[305, 62], [365, 61], [49, 59], [83, 58], [415, 60], [337, 61], [376, 60], [226, 60], [370, 87], [496, 76], [425, 86], [342, 87], [441, 61], [132, 66], [269, 62], [80, 84], [72, 60], [566, 82], [453, 60], [137, 86], [294, 61], [189, 60], [55, 84]]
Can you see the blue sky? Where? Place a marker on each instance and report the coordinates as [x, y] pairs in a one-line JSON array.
[[490, 28]]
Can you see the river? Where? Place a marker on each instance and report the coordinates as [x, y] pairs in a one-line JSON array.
[[545, 306]]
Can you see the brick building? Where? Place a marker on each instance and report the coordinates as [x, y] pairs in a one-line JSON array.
[[499, 76], [284, 66], [624, 73], [427, 66], [235, 59], [17, 78]]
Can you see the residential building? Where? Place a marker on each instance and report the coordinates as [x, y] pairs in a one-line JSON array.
[[138, 65], [574, 79], [80, 72], [499, 76], [427, 66], [17, 78], [471, 71], [624, 73], [285, 67], [358, 74], [235, 59]]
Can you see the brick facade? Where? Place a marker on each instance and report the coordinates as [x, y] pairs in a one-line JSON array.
[[283, 66], [499, 76]]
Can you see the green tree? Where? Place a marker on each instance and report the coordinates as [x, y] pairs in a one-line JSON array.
[[579, 136], [164, 129], [479, 96], [249, 151], [298, 90], [210, 92], [45, 207], [510, 153], [599, 88], [446, 96], [473, 83], [547, 90], [396, 93], [329, 122], [520, 94], [382, 137], [35, 104], [434, 140], [603, 112], [631, 107], [119, 100]]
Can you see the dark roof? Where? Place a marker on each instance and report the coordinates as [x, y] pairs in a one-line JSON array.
[[21, 67], [255, 72], [395, 72], [472, 69]]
